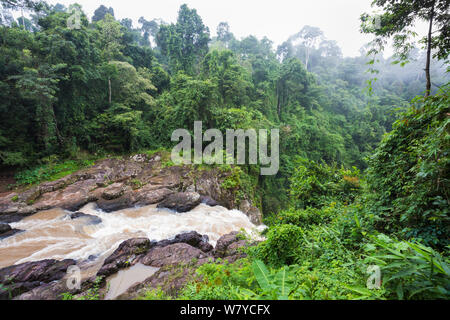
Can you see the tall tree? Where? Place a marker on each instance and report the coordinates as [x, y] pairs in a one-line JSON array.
[[186, 42], [101, 13], [397, 21], [309, 37]]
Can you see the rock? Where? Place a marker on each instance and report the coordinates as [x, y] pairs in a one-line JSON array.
[[139, 158], [71, 198], [24, 277], [6, 231], [114, 191], [10, 233], [255, 216], [179, 253], [124, 202], [46, 292], [4, 228], [208, 201], [193, 239], [126, 255], [221, 249], [109, 183], [253, 213], [92, 220], [181, 202], [170, 280], [142, 197], [234, 253], [145, 197]]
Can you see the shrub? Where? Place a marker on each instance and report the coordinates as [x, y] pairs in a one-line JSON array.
[[281, 246]]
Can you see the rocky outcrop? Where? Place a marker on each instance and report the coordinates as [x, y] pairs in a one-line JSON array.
[[27, 276], [230, 247], [178, 263], [174, 254], [133, 251], [181, 202], [253, 213], [126, 255], [193, 239], [6, 231], [177, 258], [114, 191], [4, 228], [116, 184], [142, 197], [92, 220]]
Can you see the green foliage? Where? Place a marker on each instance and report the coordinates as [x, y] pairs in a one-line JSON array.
[[410, 270], [314, 184], [154, 295], [409, 173], [50, 172], [281, 246], [220, 281], [274, 286]]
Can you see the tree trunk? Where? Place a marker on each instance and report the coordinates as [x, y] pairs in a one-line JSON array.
[[110, 94], [427, 69]]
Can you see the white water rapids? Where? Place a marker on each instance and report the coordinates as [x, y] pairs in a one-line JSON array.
[[53, 235]]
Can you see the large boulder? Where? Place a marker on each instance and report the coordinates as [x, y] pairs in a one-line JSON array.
[[92, 220], [142, 197], [6, 231], [4, 228], [114, 191], [175, 254], [193, 239], [181, 202], [126, 255], [24, 277], [229, 246]]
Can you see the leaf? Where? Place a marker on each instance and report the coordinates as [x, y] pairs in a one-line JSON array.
[[399, 291], [261, 275]]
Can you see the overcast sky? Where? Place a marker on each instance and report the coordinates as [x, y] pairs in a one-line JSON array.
[[276, 19]]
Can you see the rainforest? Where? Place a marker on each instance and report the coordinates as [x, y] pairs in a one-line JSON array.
[[358, 210]]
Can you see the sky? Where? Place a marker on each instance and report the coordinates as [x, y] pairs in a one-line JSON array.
[[276, 19]]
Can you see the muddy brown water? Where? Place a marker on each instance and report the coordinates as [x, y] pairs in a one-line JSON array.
[[53, 235]]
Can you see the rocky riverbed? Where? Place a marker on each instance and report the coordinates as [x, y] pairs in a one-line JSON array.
[[117, 219]]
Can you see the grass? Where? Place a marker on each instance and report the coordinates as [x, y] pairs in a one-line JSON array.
[[50, 172]]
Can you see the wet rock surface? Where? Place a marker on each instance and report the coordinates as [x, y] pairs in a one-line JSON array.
[[179, 253], [116, 184], [4, 228], [27, 276], [175, 272], [177, 259], [125, 256], [92, 220], [181, 202]]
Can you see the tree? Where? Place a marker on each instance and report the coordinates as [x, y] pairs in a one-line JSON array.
[[149, 28], [223, 33], [101, 13], [186, 42], [309, 37], [40, 86], [110, 34], [397, 21]]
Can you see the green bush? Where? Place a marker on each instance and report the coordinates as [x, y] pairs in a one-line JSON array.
[[282, 245], [410, 270]]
